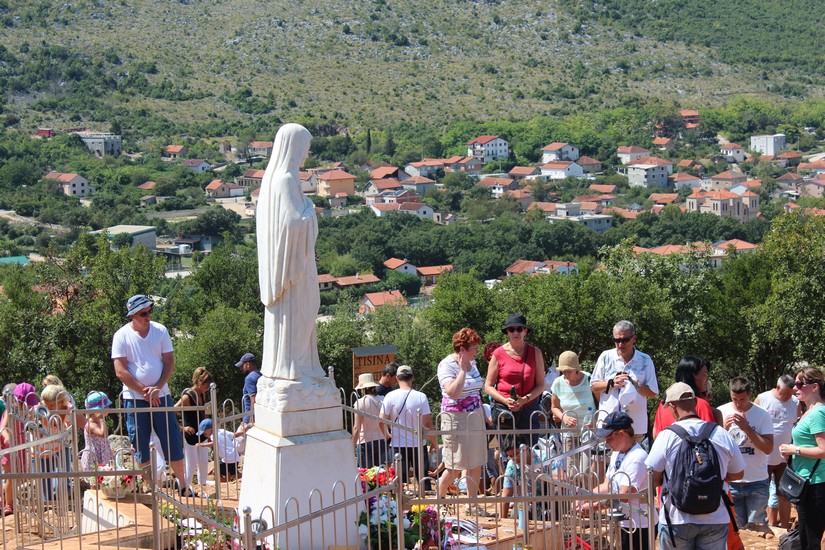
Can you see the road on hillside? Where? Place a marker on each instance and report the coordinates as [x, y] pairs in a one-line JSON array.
[[14, 217]]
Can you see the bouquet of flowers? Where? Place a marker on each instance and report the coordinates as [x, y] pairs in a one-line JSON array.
[[424, 525], [379, 527], [375, 477], [115, 484]]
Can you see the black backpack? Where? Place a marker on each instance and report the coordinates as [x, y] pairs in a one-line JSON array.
[[696, 484]]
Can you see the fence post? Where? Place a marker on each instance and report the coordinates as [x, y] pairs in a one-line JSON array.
[[155, 499], [216, 459], [248, 535], [399, 505]]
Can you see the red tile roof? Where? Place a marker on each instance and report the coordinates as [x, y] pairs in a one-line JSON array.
[[656, 161], [664, 198], [386, 183], [631, 149], [523, 171], [213, 185], [434, 269], [325, 278], [173, 148], [383, 172], [257, 174], [357, 280], [600, 188], [261, 144], [482, 140], [394, 263], [555, 146], [148, 185], [556, 165], [335, 175], [390, 297], [492, 182]]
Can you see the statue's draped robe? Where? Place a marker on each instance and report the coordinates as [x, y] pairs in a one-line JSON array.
[[287, 230]]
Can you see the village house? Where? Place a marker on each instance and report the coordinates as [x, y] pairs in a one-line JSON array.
[[470, 165], [418, 184], [690, 118], [768, 144], [423, 211], [589, 165], [560, 170], [45, 133], [724, 204], [101, 143], [141, 234], [488, 148], [733, 152], [429, 274], [559, 151], [723, 180], [376, 187], [309, 182], [788, 158], [72, 185], [147, 186], [814, 188], [335, 182], [259, 149], [600, 200], [572, 211], [425, 167], [498, 186], [326, 281], [814, 168], [648, 172], [683, 179], [629, 153], [664, 143], [721, 249], [523, 196], [603, 189], [664, 198], [197, 165], [521, 172], [402, 266], [384, 172], [545, 267], [375, 300], [174, 152], [397, 196], [356, 280], [250, 178], [217, 189]]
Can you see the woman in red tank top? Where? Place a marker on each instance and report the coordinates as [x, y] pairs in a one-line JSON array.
[[515, 375]]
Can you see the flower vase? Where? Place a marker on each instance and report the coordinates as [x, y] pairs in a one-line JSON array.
[[115, 494]]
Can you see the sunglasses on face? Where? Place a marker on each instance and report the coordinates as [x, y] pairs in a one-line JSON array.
[[145, 313], [624, 340], [515, 329], [799, 384]]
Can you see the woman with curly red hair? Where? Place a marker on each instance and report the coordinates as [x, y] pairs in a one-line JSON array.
[[465, 448]]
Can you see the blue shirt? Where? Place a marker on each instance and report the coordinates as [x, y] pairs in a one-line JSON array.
[[250, 387]]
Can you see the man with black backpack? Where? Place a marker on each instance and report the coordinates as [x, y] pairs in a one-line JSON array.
[[692, 460]]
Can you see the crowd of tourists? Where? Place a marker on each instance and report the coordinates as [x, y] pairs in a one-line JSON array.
[[743, 464]]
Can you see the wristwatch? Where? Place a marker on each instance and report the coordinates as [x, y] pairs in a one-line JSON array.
[[798, 450]]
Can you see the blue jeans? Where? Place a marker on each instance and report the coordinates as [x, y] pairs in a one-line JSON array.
[[692, 536], [750, 501], [141, 424]]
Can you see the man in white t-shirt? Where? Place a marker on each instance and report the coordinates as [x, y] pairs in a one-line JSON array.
[[144, 361], [785, 410], [752, 429], [705, 531], [625, 378], [405, 406]]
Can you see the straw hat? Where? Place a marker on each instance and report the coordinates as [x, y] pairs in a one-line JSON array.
[[568, 360], [366, 381]]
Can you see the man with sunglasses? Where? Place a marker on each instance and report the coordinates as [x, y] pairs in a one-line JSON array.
[[144, 361], [624, 378]]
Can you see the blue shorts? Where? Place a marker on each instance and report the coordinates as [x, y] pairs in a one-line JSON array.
[[141, 424]]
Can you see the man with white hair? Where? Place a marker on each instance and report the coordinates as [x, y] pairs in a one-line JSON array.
[[784, 408], [624, 378]]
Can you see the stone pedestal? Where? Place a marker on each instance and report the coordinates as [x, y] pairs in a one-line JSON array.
[[298, 460]]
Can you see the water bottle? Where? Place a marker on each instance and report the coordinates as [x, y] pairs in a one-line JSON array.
[[588, 418], [513, 393]]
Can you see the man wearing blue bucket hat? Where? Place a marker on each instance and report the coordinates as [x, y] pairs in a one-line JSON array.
[[144, 361]]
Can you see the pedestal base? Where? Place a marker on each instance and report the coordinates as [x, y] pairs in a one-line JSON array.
[[292, 476]]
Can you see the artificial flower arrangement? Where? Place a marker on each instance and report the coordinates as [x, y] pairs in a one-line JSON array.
[[379, 525], [114, 484]]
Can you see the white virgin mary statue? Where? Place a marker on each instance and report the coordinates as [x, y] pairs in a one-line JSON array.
[[287, 229]]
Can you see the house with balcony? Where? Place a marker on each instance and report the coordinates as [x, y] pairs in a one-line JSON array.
[[649, 172], [724, 204], [259, 149], [376, 187], [498, 186], [572, 211], [559, 151], [250, 178], [335, 182], [560, 170], [488, 148]]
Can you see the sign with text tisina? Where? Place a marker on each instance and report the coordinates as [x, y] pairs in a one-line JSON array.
[[371, 359]]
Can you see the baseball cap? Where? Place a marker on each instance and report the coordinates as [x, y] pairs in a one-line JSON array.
[[26, 393], [246, 358], [403, 369], [678, 392], [97, 400], [206, 424], [614, 421], [136, 303]]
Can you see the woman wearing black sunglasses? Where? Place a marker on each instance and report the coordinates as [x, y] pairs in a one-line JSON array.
[[515, 377], [807, 449]]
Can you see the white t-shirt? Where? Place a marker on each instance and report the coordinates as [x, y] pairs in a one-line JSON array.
[[639, 367], [629, 470], [663, 453], [756, 462], [574, 399], [400, 407], [227, 452], [783, 416], [550, 377], [143, 355]]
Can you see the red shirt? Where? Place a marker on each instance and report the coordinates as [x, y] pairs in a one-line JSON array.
[[664, 417], [516, 372]]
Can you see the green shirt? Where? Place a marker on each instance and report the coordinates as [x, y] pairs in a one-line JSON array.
[[804, 435]]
